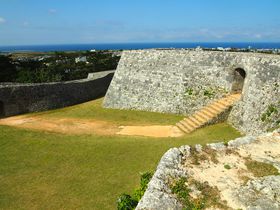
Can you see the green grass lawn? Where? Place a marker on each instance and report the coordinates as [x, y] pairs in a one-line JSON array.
[[94, 110], [41, 170]]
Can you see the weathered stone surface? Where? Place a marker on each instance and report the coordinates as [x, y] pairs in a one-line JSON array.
[[217, 146], [198, 148], [262, 193], [241, 141], [158, 195], [24, 98], [183, 81], [257, 193]]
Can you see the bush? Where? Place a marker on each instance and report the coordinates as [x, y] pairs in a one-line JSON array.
[[269, 112], [128, 202], [227, 167], [208, 196], [189, 91], [144, 181], [208, 93]]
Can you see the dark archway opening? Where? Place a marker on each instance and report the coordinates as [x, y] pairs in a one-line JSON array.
[[2, 111], [238, 81]]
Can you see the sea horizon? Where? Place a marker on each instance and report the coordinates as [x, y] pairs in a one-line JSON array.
[[136, 46]]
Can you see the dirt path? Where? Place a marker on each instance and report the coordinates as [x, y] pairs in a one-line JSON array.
[[152, 131], [84, 126], [62, 125]]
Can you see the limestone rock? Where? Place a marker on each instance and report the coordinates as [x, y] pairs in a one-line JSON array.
[[227, 174]]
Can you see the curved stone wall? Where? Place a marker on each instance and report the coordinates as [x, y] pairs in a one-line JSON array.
[[24, 98], [183, 81]]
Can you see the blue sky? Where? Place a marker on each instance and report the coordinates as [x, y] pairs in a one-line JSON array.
[[25, 22]]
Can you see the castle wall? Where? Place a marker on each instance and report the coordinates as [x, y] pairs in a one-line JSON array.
[[183, 81], [24, 98]]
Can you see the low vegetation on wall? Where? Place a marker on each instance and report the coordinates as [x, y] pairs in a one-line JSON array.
[[54, 67], [272, 116], [209, 196], [199, 96]]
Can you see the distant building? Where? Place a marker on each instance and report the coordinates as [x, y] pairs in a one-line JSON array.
[[44, 57], [81, 59], [198, 48]]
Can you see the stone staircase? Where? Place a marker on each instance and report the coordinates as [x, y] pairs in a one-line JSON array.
[[207, 113]]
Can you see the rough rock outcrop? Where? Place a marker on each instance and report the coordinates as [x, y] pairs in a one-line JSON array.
[[230, 168]]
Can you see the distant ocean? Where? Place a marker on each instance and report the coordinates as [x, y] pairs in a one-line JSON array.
[[130, 46]]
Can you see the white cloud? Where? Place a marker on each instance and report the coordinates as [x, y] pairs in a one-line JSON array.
[[2, 20], [25, 23], [52, 11], [258, 36]]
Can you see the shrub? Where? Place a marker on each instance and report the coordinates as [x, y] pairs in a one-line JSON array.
[[208, 197], [144, 181], [181, 190], [128, 202], [227, 167], [269, 112], [208, 93], [260, 169], [189, 91]]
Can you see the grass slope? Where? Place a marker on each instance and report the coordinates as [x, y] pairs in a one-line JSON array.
[[94, 110], [40, 170]]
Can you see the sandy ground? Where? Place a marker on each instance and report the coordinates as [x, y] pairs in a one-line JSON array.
[[152, 131], [83, 126], [62, 125], [265, 149]]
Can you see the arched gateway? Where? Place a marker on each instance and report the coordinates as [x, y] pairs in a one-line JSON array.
[[238, 80]]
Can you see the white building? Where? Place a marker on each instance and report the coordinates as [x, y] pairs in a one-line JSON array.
[[81, 59]]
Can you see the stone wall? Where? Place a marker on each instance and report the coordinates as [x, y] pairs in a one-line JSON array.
[[183, 81], [24, 98], [97, 75]]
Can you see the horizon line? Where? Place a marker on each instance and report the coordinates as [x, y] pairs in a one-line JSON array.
[[167, 42]]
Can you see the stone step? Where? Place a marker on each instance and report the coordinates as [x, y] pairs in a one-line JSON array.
[[235, 97], [215, 108], [201, 116], [225, 103], [211, 110], [219, 105], [208, 113], [229, 101], [198, 118], [202, 120], [182, 128], [192, 122], [188, 125]]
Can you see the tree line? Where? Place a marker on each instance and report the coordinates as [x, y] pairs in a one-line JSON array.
[[55, 67]]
